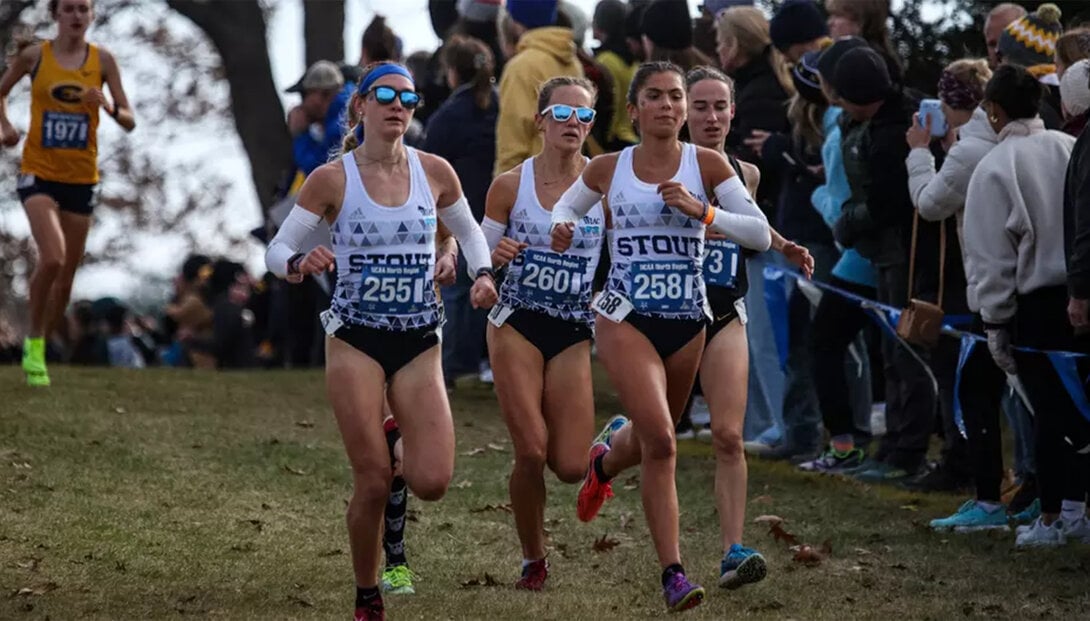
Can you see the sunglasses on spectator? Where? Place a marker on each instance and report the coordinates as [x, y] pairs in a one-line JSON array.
[[386, 95], [562, 112]]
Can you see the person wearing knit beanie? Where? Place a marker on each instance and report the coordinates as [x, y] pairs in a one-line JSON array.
[[479, 10], [826, 63], [667, 24], [1031, 40], [715, 7], [861, 77], [798, 27], [1075, 88], [806, 79], [533, 13]]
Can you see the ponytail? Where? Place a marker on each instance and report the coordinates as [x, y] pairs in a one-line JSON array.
[[353, 127], [474, 64]]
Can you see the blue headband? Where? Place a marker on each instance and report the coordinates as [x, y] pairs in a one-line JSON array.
[[380, 71]]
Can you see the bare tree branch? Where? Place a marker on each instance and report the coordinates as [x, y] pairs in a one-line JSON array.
[[323, 30]]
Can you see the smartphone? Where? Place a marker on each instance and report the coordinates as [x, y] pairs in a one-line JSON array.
[[932, 108]]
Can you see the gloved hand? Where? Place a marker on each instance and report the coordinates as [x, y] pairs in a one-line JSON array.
[[999, 344]]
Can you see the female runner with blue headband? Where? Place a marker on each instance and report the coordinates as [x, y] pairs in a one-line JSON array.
[[383, 202]]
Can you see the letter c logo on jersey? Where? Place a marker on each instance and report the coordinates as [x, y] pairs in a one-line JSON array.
[[67, 92]]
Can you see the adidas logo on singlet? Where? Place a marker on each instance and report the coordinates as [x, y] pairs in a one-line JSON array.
[[617, 198], [521, 213]]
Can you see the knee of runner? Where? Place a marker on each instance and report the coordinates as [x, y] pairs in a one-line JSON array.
[[727, 442], [429, 485], [51, 262], [660, 445], [532, 458], [572, 472], [370, 487]]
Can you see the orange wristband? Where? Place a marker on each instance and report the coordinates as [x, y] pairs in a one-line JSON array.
[[709, 214]]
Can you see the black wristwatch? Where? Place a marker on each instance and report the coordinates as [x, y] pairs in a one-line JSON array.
[[293, 262], [486, 270]]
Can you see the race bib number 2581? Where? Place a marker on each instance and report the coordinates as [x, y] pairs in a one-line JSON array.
[[662, 286]]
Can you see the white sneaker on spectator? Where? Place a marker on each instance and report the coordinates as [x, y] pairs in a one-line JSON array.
[[699, 413], [485, 375], [704, 434], [688, 434], [1040, 534], [1078, 530]]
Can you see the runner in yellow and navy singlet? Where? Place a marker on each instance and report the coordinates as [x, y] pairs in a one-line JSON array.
[[60, 159]]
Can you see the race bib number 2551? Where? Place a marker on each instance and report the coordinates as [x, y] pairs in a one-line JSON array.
[[394, 289]]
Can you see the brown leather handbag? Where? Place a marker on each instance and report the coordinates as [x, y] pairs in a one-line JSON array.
[[921, 321]]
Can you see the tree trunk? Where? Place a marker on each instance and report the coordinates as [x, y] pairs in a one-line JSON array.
[[323, 30], [237, 30], [9, 18]]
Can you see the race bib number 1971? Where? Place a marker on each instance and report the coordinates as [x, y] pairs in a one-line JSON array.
[[65, 130]]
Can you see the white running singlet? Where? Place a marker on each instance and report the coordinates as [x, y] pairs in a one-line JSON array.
[[656, 250], [558, 285], [386, 255]]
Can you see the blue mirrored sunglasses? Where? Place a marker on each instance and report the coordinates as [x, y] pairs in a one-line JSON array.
[[562, 112], [385, 95]]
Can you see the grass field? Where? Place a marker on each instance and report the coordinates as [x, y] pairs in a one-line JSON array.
[[161, 495]]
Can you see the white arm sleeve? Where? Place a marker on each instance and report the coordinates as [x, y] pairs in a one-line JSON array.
[[739, 218], [459, 219], [299, 224], [574, 203], [493, 231]]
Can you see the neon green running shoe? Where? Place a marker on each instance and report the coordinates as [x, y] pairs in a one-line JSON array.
[[398, 580], [34, 362]]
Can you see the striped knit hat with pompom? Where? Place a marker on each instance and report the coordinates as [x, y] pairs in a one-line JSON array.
[[1031, 40]]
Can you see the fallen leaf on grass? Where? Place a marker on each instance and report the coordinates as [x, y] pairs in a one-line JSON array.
[[762, 500], [768, 519], [305, 424], [30, 564], [861, 551], [296, 472], [464, 483], [807, 555], [632, 482], [487, 581], [474, 452], [299, 601], [119, 410], [910, 507], [562, 548], [506, 508], [626, 520], [257, 524], [41, 589], [779, 534], [605, 544], [496, 447]]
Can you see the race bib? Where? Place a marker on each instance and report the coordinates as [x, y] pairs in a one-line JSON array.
[[551, 279], [65, 130], [394, 289], [721, 259], [612, 305], [662, 286], [499, 314]]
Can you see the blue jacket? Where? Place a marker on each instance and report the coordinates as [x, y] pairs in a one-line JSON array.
[[465, 136], [312, 148], [829, 199]]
